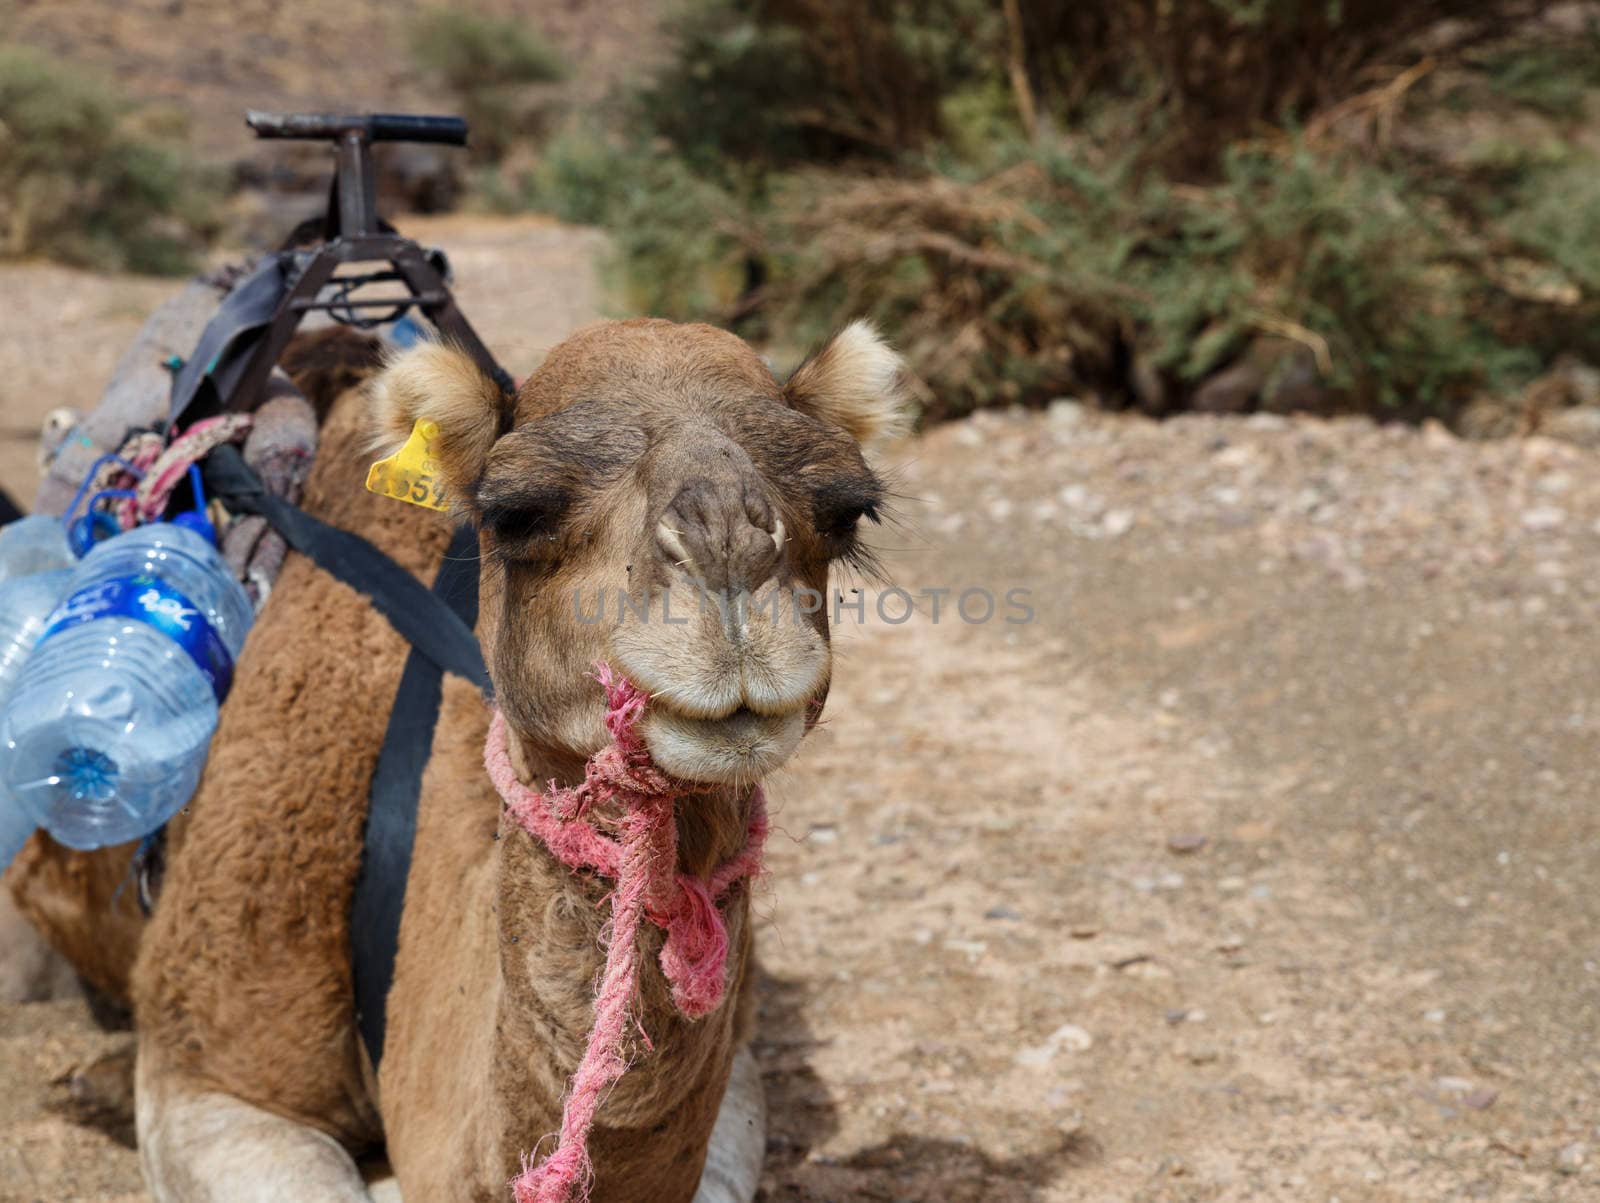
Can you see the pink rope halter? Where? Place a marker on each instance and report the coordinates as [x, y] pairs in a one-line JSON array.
[[643, 860]]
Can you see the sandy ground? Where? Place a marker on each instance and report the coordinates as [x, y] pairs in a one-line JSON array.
[[1257, 866]]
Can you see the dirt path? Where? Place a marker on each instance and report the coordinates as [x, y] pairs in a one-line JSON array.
[[1256, 867]]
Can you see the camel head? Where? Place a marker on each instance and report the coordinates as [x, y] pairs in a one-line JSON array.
[[654, 498]]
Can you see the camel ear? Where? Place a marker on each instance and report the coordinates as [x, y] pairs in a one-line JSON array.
[[856, 381], [444, 385]]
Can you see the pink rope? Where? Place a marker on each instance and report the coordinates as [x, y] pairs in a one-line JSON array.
[[163, 474], [643, 859]]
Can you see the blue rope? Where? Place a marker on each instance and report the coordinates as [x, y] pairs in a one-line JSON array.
[[94, 468]]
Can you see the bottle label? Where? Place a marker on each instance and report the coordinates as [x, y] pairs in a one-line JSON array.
[[156, 604]]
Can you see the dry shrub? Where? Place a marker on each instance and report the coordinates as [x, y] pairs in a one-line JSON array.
[[1119, 199], [83, 181], [1205, 73]]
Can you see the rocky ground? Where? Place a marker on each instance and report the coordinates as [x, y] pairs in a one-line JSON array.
[[1255, 867]]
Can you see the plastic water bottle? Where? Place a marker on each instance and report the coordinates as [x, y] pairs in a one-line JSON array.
[[25, 603], [105, 736], [36, 543]]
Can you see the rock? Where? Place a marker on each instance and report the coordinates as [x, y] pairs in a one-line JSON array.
[[1294, 382], [1569, 382], [1543, 517], [1068, 1037], [1076, 497], [1572, 1158], [1186, 843], [1117, 523], [1232, 390], [968, 434], [1066, 411], [1490, 418], [1436, 435], [1270, 422], [1002, 912], [1578, 426], [1277, 375], [1151, 393], [1480, 1100], [1201, 1054]]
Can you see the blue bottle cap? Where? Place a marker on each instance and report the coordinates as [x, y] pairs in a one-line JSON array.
[[197, 521], [88, 529]]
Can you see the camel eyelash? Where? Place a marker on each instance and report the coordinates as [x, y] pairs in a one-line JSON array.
[[518, 523], [840, 529]]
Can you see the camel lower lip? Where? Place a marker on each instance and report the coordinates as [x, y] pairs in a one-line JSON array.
[[741, 748]]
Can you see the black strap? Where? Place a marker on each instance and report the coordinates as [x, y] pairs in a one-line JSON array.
[[438, 624], [392, 816], [431, 624], [244, 314]]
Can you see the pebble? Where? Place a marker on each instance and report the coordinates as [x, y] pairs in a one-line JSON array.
[[1117, 523], [1163, 881], [1002, 912], [1543, 517], [1572, 1158], [1069, 1037], [1186, 843], [1064, 411], [968, 435]]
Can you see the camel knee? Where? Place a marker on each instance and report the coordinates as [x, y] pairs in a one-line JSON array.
[[738, 1139], [202, 1146]]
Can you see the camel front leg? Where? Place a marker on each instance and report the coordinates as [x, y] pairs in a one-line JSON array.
[[202, 1146], [738, 1138]]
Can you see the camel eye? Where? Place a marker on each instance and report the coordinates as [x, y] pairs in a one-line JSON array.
[[843, 524], [524, 523], [837, 510]]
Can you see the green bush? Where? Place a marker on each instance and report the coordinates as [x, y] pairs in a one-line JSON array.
[[80, 183], [581, 176], [1035, 198], [487, 63]]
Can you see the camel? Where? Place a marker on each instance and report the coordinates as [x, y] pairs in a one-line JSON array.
[[642, 460]]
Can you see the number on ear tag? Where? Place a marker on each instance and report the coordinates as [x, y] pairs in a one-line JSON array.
[[411, 474]]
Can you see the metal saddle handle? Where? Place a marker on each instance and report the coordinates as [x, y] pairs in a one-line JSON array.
[[368, 127]]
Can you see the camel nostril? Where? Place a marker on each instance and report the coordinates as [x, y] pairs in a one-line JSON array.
[[670, 539], [726, 536], [758, 510]]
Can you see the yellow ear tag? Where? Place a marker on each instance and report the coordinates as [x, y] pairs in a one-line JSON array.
[[411, 474]]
